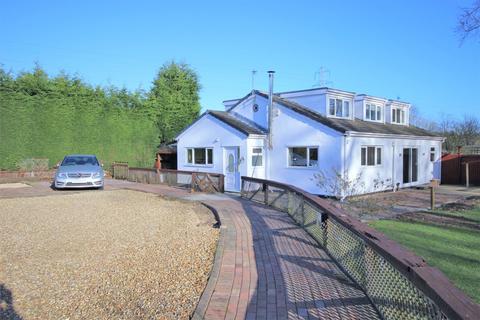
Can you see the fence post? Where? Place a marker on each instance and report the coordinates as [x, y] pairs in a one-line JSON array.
[[467, 175], [242, 195], [221, 184], [194, 177], [265, 193], [432, 198]]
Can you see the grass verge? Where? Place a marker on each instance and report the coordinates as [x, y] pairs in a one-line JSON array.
[[473, 215], [455, 251]]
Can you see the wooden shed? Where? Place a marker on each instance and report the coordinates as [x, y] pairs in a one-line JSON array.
[[166, 157]]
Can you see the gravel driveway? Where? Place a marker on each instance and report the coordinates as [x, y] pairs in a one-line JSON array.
[[103, 255]]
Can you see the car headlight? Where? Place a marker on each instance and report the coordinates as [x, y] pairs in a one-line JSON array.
[[62, 175], [97, 175]]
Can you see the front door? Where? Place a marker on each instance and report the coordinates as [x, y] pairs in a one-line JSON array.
[[410, 165], [232, 176]]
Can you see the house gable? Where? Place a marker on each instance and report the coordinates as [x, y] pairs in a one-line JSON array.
[[253, 107], [199, 125]]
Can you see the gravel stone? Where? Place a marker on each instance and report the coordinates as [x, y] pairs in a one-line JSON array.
[[104, 255]]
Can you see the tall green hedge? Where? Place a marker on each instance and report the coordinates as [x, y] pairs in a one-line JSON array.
[[43, 117]]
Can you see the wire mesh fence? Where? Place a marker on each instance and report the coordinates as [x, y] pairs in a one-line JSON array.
[[392, 285]]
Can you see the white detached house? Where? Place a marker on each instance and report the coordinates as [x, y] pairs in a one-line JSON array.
[[295, 135]]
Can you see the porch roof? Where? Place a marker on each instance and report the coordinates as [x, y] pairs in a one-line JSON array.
[[235, 122]]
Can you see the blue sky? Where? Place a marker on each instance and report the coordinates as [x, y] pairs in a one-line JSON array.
[[406, 49]]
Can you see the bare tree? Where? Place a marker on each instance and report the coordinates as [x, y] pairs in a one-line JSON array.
[[417, 120], [468, 130], [338, 185], [465, 132], [469, 21]]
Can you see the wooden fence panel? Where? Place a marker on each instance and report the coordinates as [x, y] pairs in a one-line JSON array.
[[454, 170]]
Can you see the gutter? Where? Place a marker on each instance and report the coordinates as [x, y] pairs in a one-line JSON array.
[[392, 136]]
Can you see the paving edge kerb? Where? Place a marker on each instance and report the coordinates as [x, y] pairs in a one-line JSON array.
[[202, 304]]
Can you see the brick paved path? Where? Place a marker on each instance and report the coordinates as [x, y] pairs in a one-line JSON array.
[[269, 268], [266, 267]]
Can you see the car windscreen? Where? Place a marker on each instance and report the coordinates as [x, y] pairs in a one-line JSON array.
[[79, 160]]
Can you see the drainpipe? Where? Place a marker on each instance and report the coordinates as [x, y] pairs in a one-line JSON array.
[[393, 165]]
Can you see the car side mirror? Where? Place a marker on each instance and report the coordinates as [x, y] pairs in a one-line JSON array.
[[56, 166], [101, 164]]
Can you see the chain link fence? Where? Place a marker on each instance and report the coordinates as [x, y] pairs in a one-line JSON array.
[[397, 282]]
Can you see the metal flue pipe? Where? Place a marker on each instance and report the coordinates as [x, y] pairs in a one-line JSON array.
[[270, 108]]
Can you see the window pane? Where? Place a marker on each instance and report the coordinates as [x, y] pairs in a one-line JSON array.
[[332, 107], [432, 154], [339, 108], [200, 156], [298, 157], [370, 156], [398, 116], [257, 161], [257, 150], [231, 163], [210, 156], [367, 112], [364, 156], [189, 156], [414, 164], [403, 117], [379, 113], [372, 113], [346, 109], [313, 157], [379, 155], [394, 118]]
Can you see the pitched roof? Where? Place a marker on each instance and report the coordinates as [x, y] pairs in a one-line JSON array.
[[235, 122], [357, 125]]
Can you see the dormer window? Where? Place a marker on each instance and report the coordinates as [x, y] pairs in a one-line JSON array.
[[339, 108], [373, 112], [398, 115]]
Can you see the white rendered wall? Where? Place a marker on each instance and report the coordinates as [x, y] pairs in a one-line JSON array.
[[316, 102], [245, 109], [255, 171], [359, 111], [391, 169], [291, 129], [209, 132]]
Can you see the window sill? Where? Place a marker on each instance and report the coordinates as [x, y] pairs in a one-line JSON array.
[[199, 165], [336, 117], [302, 168]]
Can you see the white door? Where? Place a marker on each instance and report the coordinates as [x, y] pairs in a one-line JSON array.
[[230, 170]]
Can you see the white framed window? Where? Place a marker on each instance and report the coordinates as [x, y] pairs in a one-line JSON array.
[[371, 156], [373, 112], [200, 156], [398, 115], [432, 154], [339, 108], [303, 156], [257, 157]]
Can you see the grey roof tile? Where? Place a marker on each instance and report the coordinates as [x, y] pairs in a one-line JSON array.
[[235, 122]]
